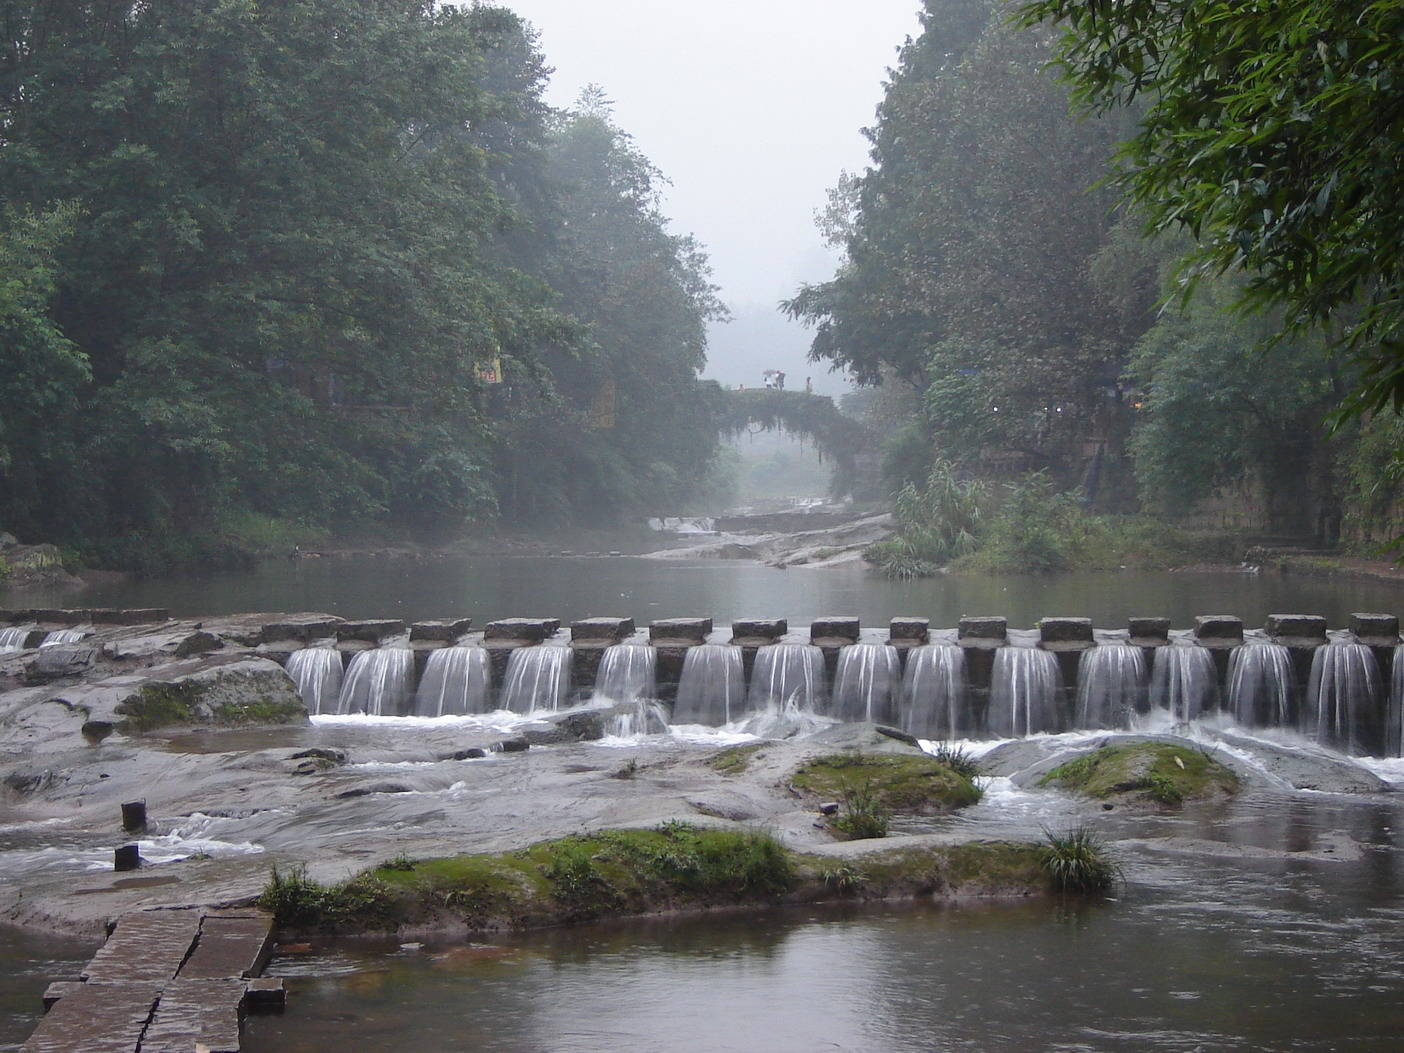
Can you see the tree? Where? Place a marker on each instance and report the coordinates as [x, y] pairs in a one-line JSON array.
[[968, 269], [1271, 133], [1218, 414]]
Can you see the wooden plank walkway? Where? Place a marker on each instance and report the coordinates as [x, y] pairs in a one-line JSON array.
[[166, 981]]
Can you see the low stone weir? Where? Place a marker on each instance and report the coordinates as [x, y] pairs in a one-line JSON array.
[[1339, 686], [166, 981]]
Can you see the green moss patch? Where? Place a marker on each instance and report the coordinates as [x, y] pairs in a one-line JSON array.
[[1153, 772], [907, 784], [735, 759]]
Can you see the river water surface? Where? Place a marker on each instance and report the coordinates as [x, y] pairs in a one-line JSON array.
[[1197, 951], [488, 587]]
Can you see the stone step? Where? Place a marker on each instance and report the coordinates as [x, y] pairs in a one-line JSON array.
[[96, 1018], [166, 981], [146, 946], [196, 1014]]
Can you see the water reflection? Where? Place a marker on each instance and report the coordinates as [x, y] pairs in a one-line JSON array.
[[1205, 952], [488, 587]]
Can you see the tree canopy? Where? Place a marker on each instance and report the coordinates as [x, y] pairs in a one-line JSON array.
[[265, 260], [1271, 132]]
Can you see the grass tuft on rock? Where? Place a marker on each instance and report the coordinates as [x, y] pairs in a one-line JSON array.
[[1154, 772], [735, 759], [1077, 861], [862, 813], [910, 784]]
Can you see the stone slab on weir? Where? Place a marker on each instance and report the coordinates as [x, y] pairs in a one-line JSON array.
[[1148, 632], [758, 632], [521, 630], [834, 632], [446, 631], [1303, 630], [1218, 630], [302, 628], [983, 632], [679, 632], [909, 632], [1065, 634], [601, 632], [1376, 630], [371, 631]]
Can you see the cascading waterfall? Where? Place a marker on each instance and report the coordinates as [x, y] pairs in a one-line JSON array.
[[62, 636], [537, 678], [1262, 686], [627, 673], [13, 639], [935, 699], [788, 676], [1394, 718], [1111, 686], [1342, 696], [378, 682], [1183, 681], [867, 682], [1024, 689], [712, 687], [627, 677], [317, 673], [457, 682]]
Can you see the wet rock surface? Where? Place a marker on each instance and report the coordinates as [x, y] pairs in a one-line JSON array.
[[228, 795]]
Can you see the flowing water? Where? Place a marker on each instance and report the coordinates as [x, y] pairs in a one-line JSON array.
[[1217, 950], [712, 688], [537, 678], [1024, 692], [317, 672], [1111, 686], [788, 675], [1262, 686], [456, 682], [1184, 682], [1342, 698], [935, 697], [378, 682], [867, 683]]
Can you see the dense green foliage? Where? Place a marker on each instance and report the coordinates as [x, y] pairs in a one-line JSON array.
[[1042, 332], [256, 255], [1077, 861], [1271, 133]]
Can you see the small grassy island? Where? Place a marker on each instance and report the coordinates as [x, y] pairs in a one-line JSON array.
[[677, 867], [1155, 773]]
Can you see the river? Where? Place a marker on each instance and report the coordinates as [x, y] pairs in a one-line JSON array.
[[1195, 951], [488, 587]]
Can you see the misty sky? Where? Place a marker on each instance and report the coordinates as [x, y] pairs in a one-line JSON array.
[[751, 108]]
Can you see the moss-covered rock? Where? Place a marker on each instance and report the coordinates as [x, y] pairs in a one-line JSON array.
[[734, 760], [903, 784], [1145, 772], [220, 692], [619, 873]]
